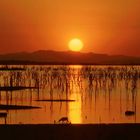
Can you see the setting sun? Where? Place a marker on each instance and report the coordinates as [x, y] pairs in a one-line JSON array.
[[75, 45]]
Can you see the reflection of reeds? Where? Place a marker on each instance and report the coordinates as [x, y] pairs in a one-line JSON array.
[[60, 81], [62, 77]]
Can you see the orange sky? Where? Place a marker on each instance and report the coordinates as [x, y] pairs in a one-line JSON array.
[[105, 26]]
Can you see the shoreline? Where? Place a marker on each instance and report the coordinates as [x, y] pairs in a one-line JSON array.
[[125, 131]]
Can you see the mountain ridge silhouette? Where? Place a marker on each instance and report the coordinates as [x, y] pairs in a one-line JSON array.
[[66, 57]]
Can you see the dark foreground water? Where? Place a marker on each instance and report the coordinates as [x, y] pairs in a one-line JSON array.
[[71, 132], [85, 94]]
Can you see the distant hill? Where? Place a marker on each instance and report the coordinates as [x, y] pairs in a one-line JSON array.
[[68, 57]]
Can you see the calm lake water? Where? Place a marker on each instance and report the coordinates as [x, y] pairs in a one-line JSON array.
[[101, 94]]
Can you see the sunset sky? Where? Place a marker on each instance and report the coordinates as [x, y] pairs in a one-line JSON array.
[[104, 26]]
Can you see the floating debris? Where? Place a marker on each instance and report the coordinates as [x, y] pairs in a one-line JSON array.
[[12, 69], [3, 114], [55, 100], [16, 107], [15, 88], [129, 113]]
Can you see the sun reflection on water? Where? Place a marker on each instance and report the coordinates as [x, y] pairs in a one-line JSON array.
[[75, 112], [75, 109]]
